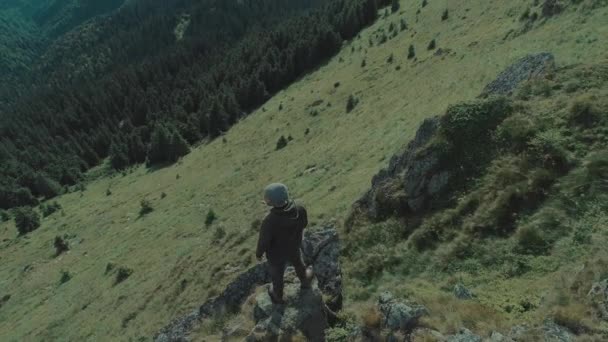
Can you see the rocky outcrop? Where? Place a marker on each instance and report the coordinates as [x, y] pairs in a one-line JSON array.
[[304, 313], [408, 180], [528, 67], [598, 295], [420, 176], [320, 248]]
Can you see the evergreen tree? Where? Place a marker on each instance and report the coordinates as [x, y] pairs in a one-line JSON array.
[[395, 6], [119, 159]]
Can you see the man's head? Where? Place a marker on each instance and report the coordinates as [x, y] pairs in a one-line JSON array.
[[276, 195]]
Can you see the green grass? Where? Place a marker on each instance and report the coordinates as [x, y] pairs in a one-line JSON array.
[[171, 246]]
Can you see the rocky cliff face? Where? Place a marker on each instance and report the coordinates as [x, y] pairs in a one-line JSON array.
[[306, 311]]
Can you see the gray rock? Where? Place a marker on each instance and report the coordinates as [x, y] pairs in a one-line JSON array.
[[556, 333], [464, 335], [498, 337], [461, 292], [549, 331], [398, 315], [599, 295], [320, 248], [304, 312], [526, 68]]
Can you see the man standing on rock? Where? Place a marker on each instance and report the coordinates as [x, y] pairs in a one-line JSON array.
[[281, 238]]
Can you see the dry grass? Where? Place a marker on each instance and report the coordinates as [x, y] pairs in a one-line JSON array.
[[342, 151]]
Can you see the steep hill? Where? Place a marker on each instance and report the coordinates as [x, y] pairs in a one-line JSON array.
[[126, 275]]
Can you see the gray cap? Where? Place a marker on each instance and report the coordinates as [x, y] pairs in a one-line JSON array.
[[276, 194]]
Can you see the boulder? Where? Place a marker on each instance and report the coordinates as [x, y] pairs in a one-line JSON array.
[[461, 292], [549, 331], [304, 313], [526, 68], [320, 248], [464, 335], [495, 336], [399, 316]]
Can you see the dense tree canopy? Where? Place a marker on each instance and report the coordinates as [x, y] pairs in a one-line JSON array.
[[151, 106]]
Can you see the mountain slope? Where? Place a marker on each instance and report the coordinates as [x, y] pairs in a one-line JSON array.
[[174, 255]]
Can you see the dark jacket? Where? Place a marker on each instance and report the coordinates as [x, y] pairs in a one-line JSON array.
[[281, 233]]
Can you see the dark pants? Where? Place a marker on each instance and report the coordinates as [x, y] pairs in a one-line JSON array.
[[277, 270]]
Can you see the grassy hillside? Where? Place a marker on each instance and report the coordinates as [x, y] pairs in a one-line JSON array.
[[178, 261]]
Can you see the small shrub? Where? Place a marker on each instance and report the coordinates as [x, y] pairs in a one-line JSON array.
[[432, 45], [65, 277], [281, 143], [110, 267], [256, 225], [363, 63], [26, 220], [351, 103], [411, 53], [108, 192], [122, 274], [49, 209], [583, 112], [307, 131], [336, 85], [534, 16], [61, 246], [403, 24], [424, 3], [526, 15], [219, 233], [445, 15], [280, 106], [211, 217], [163, 195], [532, 241], [390, 59], [372, 318], [4, 216], [395, 6], [289, 138], [146, 207]]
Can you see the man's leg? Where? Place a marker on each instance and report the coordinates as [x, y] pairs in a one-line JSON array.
[[301, 271], [277, 271]]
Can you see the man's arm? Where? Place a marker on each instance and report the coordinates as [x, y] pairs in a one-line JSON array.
[[264, 238]]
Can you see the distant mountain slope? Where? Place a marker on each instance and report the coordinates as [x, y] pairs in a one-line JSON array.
[[127, 88]]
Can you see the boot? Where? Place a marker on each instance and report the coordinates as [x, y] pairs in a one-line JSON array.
[[307, 282]]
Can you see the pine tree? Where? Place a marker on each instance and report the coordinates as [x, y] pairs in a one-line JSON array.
[[395, 6], [411, 52], [119, 159], [159, 144]]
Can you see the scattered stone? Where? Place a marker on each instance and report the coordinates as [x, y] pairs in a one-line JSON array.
[[498, 337], [464, 335], [461, 292], [556, 333], [528, 67]]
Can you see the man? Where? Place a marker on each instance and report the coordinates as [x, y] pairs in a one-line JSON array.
[[281, 237]]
